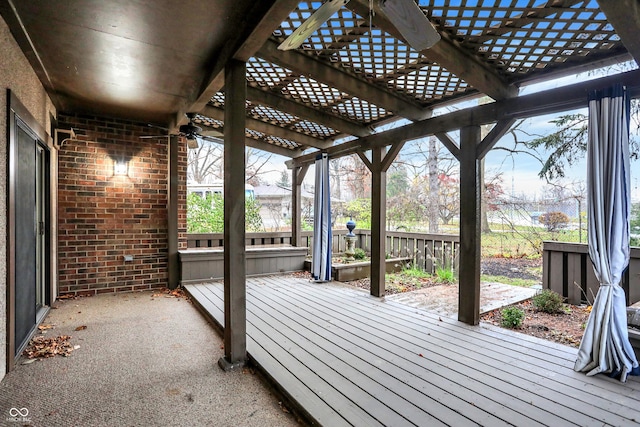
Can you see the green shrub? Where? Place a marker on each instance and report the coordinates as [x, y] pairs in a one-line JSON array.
[[512, 317], [554, 221], [445, 275], [359, 254], [548, 301]]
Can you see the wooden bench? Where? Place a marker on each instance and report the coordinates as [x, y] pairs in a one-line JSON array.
[[199, 265]]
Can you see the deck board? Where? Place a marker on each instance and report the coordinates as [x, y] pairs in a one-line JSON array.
[[347, 358]]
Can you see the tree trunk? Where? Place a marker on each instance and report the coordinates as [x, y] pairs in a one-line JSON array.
[[483, 209]]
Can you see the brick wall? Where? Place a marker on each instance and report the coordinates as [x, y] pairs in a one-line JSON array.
[[103, 216]]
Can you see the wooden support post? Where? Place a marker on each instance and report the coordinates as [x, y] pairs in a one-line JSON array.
[[235, 293], [172, 216], [297, 176], [378, 222], [470, 208], [378, 165]]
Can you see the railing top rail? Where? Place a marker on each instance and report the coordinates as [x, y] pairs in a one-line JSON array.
[[339, 231], [581, 248]]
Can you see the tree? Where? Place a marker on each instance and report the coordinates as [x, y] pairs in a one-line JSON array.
[[397, 181], [356, 177], [360, 211], [205, 162], [256, 162], [425, 159], [449, 197], [206, 215], [634, 222], [284, 181]]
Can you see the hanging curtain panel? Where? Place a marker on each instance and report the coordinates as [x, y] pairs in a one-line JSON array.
[[321, 259], [605, 346]]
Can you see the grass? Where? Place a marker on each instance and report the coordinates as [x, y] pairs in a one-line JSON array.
[[525, 283], [525, 242], [407, 278]]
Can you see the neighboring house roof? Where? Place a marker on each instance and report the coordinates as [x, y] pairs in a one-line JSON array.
[[277, 191]]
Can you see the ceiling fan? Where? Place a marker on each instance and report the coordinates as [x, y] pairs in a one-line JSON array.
[[191, 131], [405, 15]]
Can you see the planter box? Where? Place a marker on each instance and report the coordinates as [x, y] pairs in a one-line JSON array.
[[360, 270]]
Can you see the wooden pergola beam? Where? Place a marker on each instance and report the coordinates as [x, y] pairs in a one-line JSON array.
[[464, 65], [303, 111], [342, 80], [262, 21], [624, 16], [254, 143], [270, 129], [449, 144], [497, 132], [546, 102]]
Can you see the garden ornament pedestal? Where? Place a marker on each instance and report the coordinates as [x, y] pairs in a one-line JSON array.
[[350, 240]]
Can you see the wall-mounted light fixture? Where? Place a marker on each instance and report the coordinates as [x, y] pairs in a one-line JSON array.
[[120, 167]]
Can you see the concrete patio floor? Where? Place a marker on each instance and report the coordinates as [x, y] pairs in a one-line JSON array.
[[142, 361]]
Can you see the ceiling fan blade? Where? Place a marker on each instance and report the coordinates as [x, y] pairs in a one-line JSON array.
[[411, 22], [212, 133], [314, 22]]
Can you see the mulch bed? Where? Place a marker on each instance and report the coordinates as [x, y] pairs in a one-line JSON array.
[[564, 328]]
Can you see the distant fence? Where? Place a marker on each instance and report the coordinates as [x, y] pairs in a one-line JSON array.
[[428, 251], [567, 269]]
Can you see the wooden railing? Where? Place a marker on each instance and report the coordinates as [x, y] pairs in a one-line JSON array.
[[428, 251], [567, 269]]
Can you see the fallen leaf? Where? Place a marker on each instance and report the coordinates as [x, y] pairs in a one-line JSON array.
[[28, 361], [80, 328], [42, 347], [75, 347], [44, 327], [284, 408], [420, 355]]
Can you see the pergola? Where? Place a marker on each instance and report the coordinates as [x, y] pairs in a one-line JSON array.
[[154, 61]]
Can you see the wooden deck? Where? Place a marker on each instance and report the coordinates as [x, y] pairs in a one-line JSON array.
[[346, 358]]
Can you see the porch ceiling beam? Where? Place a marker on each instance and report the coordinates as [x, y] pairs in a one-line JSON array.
[[624, 15], [254, 143], [342, 80], [537, 104], [248, 40], [464, 65], [305, 112], [270, 129]]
